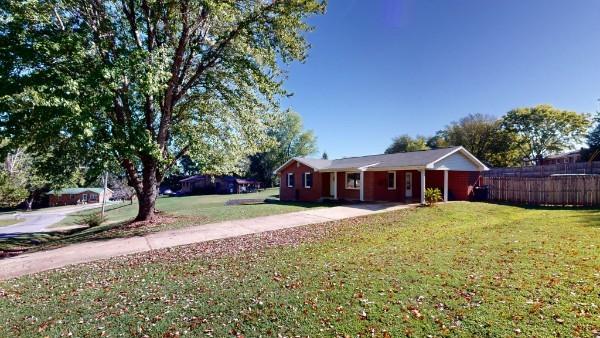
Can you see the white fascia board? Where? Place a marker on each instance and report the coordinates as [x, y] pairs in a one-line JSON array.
[[297, 159], [396, 168], [365, 167]]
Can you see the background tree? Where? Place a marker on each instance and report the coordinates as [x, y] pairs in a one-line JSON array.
[[593, 142], [291, 140], [482, 136], [19, 180], [324, 156], [543, 129], [142, 83], [404, 143], [437, 141]]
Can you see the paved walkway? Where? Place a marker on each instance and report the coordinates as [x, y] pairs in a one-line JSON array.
[[96, 250], [39, 220]]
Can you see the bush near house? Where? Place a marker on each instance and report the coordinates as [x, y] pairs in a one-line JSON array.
[[432, 196]]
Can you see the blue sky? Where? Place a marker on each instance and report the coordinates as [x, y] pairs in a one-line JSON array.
[[381, 68]]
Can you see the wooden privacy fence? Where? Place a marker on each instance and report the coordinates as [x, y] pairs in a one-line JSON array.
[[546, 170], [579, 190]]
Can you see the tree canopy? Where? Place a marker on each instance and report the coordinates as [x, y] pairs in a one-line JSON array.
[[404, 143], [543, 129], [291, 140], [139, 83], [483, 137]]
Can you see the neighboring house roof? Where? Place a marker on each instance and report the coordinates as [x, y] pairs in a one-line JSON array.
[[407, 160], [245, 181], [75, 191], [561, 155], [194, 178]]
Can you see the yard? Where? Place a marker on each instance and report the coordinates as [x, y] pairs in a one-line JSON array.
[[7, 222], [179, 212], [461, 269]]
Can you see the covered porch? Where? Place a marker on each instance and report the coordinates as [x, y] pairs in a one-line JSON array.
[[406, 186]]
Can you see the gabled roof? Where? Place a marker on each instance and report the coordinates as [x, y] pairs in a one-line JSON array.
[[75, 191], [414, 159], [193, 178]]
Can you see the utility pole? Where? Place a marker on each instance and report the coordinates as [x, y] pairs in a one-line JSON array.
[[104, 192]]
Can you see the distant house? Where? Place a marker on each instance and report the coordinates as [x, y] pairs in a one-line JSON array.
[[209, 184], [568, 157], [401, 177], [73, 196]]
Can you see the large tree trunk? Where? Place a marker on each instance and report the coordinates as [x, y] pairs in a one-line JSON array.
[[148, 193]]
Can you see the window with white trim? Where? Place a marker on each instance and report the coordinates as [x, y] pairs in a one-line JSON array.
[[308, 180], [352, 180], [290, 180], [391, 180]]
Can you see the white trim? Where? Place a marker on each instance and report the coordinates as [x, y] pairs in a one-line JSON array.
[[388, 180], [305, 180], [334, 184], [464, 152], [362, 185], [445, 185], [288, 180], [346, 180], [423, 186], [297, 159], [365, 167]]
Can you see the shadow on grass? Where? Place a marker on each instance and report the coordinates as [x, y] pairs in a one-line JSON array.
[[590, 215], [16, 243]]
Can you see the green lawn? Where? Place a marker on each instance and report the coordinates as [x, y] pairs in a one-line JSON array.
[[461, 269], [7, 222], [182, 211], [206, 208]]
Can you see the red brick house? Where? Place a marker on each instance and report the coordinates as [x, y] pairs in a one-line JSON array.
[[73, 196], [400, 177]]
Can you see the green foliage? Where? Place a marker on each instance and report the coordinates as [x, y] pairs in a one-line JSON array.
[[432, 196], [19, 179], [483, 137], [93, 220], [12, 192], [543, 129], [405, 143], [136, 85], [324, 156], [291, 140]]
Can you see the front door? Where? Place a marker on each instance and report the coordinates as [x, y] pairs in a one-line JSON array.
[[408, 185], [332, 184]]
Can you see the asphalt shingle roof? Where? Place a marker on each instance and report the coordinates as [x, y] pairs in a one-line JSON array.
[[408, 159], [74, 191]]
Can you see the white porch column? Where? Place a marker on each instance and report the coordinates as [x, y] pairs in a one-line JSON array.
[[423, 186], [362, 185], [335, 184], [445, 185]]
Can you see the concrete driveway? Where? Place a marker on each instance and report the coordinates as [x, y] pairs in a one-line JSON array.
[[96, 250], [39, 220]]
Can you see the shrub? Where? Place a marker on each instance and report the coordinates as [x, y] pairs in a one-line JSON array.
[[432, 196], [93, 220]]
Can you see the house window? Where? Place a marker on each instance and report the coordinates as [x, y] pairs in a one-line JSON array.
[[352, 180], [290, 180], [307, 180], [391, 180]]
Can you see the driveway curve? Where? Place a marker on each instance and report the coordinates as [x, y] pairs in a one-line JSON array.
[[39, 220]]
